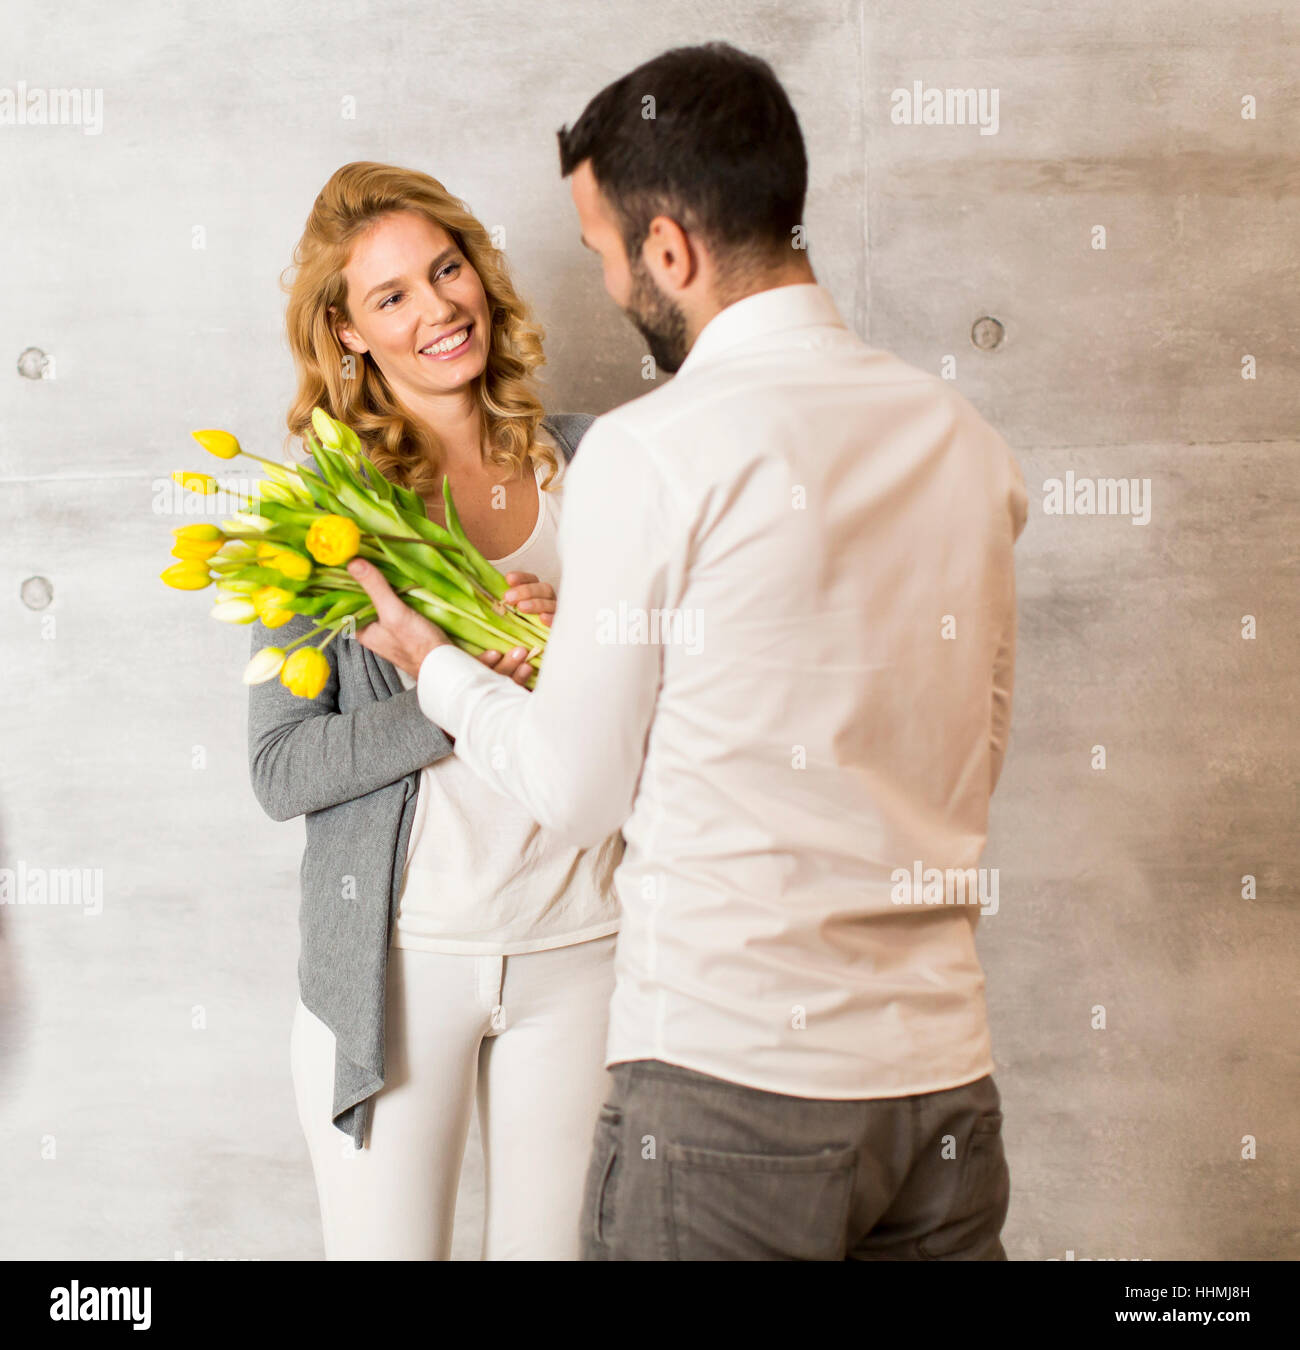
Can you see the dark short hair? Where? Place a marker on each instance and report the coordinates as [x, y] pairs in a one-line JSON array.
[[722, 154]]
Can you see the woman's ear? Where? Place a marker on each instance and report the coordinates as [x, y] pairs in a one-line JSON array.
[[347, 336]]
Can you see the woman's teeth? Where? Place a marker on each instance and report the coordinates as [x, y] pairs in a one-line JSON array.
[[448, 344]]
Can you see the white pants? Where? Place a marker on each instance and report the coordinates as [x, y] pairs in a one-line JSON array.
[[526, 1034]]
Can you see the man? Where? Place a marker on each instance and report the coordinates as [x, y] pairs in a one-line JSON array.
[[782, 663]]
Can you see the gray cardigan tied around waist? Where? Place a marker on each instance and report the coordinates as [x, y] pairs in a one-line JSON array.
[[349, 761]]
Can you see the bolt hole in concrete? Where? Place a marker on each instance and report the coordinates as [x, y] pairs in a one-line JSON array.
[[32, 364], [987, 333], [37, 593]]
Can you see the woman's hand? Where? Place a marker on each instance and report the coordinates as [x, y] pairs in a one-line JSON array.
[[531, 596]]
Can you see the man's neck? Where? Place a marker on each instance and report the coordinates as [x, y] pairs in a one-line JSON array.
[[798, 273]]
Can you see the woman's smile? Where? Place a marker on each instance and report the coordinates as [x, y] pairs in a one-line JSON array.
[[452, 345]]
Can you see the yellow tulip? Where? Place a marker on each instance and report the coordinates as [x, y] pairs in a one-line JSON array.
[[290, 479], [291, 563], [285, 474], [269, 602], [236, 590], [191, 575], [264, 666], [243, 524], [197, 549], [333, 540], [201, 531], [234, 611], [326, 429], [275, 492], [237, 550], [336, 435], [274, 595], [220, 443], [306, 672], [196, 482]]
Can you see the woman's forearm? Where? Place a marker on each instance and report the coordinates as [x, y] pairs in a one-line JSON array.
[[335, 757]]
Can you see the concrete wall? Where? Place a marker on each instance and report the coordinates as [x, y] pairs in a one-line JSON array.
[[130, 1131]]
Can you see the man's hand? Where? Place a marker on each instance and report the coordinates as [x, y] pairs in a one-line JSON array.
[[399, 634], [405, 638]]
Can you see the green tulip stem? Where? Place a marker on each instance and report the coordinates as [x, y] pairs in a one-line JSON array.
[[311, 632]]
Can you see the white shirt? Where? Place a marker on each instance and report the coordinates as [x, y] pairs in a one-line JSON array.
[[836, 529], [482, 877]]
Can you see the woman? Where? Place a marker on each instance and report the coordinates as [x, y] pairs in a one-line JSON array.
[[452, 951]]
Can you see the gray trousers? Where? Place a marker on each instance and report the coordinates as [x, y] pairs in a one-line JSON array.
[[687, 1167]]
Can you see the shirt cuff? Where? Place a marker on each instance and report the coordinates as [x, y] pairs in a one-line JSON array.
[[447, 675]]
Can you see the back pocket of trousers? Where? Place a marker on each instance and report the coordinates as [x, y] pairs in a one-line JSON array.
[[759, 1206]]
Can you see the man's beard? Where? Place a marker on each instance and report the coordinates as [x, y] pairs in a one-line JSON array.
[[658, 320]]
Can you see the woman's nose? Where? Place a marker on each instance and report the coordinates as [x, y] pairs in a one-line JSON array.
[[438, 309]]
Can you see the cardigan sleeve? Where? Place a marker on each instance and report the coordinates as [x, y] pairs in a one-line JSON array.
[[305, 755]]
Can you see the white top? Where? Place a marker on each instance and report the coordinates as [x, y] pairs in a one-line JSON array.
[[482, 877], [832, 530]]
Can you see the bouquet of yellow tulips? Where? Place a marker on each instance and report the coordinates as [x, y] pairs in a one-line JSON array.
[[285, 553]]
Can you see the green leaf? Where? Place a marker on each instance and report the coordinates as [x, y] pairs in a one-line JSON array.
[[347, 604], [411, 501], [289, 515], [451, 620], [267, 576], [435, 534], [324, 463], [340, 471], [317, 487], [377, 482], [308, 604]]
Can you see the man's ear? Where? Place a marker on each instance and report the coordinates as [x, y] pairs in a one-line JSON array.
[[670, 254], [347, 336]]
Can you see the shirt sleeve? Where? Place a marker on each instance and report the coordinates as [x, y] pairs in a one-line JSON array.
[[1004, 666], [570, 752]]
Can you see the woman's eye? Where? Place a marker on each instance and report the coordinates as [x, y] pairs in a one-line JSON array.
[[397, 295], [449, 269]]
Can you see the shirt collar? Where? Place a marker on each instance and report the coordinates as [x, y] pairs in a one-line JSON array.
[[765, 312]]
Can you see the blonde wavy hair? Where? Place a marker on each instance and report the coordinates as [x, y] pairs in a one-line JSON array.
[[402, 447]]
